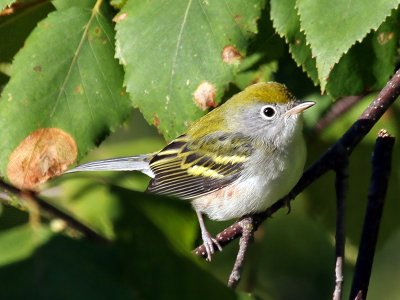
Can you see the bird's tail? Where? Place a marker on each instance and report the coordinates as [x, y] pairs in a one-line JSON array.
[[131, 163]]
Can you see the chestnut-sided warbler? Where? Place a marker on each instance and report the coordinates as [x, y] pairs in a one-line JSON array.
[[238, 159]]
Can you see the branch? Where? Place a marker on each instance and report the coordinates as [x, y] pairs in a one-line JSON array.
[[381, 167], [341, 188], [53, 211], [247, 236], [342, 148], [337, 109]]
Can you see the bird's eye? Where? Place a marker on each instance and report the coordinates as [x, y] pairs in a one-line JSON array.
[[268, 112]]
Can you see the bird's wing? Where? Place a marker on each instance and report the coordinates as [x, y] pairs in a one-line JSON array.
[[130, 163], [189, 169]]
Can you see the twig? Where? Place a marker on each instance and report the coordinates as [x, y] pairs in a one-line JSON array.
[[224, 237], [359, 296], [337, 293], [337, 109], [341, 189], [381, 167], [54, 211], [343, 147], [245, 239]]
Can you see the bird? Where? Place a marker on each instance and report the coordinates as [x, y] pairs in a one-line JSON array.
[[236, 160]]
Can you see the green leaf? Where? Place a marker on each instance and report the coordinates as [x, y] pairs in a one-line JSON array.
[[172, 49], [287, 23], [90, 201], [20, 242], [282, 258], [173, 217], [386, 269], [332, 27], [65, 269], [20, 23], [261, 74], [284, 254], [65, 4], [146, 244], [5, 3], [368, 65], [150, 258], [66, 83], [117, 4]]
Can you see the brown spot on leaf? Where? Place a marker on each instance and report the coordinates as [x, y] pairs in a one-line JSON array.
[[120, 17], [230, 55], [237, 17], [43, 154], [156, 120], [78, 89], [37, 69], [97, 31], [204, 96]]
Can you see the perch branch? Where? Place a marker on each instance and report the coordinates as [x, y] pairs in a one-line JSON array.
[[53, 211], [381, 167], [343, 147], [247, 236], [341, 189]]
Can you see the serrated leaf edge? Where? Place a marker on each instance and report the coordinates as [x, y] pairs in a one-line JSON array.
[[323, 81]]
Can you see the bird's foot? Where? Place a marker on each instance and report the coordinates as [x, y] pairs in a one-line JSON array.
[[288, 205], [209, 243]]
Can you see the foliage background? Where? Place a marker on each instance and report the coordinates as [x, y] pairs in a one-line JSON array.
[[89, 67]]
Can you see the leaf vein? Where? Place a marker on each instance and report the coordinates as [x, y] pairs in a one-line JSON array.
[[178, 42], [75, 57]]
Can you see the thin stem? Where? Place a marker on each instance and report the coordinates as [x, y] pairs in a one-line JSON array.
[[381, 167], [338, 292], [341, 189]]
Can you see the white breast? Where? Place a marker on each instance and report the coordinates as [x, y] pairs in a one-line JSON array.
[[265, 182]]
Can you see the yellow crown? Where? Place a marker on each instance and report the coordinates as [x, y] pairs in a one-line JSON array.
[[269, 92]]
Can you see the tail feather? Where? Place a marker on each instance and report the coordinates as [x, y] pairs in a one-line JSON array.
[[131, 163]]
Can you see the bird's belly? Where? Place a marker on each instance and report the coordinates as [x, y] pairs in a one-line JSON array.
[[254, 193], [233, 201]]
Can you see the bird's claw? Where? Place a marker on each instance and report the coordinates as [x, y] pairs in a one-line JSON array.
[[288, 205], [209, 243]]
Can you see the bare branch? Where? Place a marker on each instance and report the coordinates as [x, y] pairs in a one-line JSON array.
[[53, 211], [337, 293], [337, 109], [381, 167], [245, 239], [341, 189]]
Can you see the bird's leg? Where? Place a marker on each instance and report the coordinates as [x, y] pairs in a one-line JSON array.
[[208, 240]]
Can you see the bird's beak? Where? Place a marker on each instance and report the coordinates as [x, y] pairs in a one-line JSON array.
[[299, 107]]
